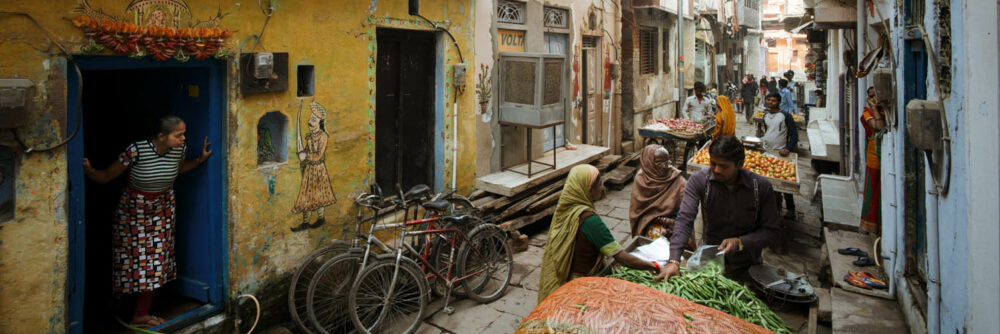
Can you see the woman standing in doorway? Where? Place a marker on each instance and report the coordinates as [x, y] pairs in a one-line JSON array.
[[143, 233], [873, 119]]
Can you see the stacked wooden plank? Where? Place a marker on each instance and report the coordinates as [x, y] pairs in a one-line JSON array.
[[535, 203]]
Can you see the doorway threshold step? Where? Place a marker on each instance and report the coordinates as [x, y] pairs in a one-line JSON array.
[[510, 182], [853, 313], [840, 264]]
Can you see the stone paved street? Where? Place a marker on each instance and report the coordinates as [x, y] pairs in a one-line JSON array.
[[504, 315]]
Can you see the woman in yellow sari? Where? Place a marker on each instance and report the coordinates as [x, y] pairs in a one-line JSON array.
[[725, 119], [578, 240]]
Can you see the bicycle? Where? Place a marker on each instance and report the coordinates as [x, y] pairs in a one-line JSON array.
[[328, 288], [391, 294], [310, 267]]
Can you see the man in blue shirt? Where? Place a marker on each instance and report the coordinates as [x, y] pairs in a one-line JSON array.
[[787, 100]]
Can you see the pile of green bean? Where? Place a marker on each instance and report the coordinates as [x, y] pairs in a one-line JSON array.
[[709, 288]]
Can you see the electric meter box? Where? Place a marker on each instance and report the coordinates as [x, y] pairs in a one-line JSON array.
[[532, 89], [16, 100]]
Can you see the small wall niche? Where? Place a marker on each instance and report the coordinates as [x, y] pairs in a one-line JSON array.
[[305, 80], [271, 147]]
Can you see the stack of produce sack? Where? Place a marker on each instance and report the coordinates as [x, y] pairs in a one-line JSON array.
[[609, 305]]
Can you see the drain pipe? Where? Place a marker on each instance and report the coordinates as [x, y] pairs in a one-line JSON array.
[[454, 141], [611, 111], [933, 264]]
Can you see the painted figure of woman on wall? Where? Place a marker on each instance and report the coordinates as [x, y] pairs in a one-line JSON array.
[[315, 192]]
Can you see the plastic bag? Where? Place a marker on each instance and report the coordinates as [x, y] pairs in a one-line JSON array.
[[658, 250], [704, 255]]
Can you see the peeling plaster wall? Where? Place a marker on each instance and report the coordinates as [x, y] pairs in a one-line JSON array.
[[338, 38], [655, 96], [654, 93]]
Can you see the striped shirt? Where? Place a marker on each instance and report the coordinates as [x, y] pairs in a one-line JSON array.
[[151, 171]]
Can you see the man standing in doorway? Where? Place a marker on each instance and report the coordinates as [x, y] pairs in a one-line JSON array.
[[781, 135], [787, 100], [748, 93], [698, 107]]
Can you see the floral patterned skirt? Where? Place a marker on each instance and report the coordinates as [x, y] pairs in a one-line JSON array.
[[143, 241]]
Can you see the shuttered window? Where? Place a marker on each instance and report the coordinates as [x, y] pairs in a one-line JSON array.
[[647, 50], [666, 51]]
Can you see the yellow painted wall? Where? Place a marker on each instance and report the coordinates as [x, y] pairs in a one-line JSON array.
[[337, 37]]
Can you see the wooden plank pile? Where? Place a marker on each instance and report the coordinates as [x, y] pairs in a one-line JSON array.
[[531, 205]]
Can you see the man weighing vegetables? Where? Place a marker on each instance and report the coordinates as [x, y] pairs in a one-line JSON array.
[[738, 209]]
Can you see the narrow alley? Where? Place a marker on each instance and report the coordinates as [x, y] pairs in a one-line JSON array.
[[545, 166]]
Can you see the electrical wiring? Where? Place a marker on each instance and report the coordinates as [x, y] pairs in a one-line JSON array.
[[79, 81], [453, 41], [257, 304]]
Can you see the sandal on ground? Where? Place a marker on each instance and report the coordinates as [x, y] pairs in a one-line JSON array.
[[151, 321], [863, 261], [856, 281], [852, 251], [869, 279]]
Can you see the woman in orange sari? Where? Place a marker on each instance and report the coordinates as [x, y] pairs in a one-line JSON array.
[[725, 119], [873, 119]]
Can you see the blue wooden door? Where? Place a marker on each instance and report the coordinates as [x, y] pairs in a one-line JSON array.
[[556, 44], [195, 196], [194, 91]]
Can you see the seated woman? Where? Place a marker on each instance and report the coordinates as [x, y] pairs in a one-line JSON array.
[[656, 194], [578, 240]]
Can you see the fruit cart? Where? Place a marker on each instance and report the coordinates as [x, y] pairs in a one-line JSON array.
[[670, 139], [782, 172]]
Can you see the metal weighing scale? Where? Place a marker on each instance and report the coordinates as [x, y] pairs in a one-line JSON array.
[[780, 284], [751, 142]]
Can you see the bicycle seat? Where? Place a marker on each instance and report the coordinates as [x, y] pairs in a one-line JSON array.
[[460, 219], [438, 205], [418, 191]]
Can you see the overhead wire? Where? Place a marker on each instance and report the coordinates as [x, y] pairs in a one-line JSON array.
[[79, 78]]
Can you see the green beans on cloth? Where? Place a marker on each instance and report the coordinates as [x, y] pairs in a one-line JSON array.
[[708, 287], [606, 305]]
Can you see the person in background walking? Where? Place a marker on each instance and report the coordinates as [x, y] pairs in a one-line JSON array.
[[698, 107], [725, 119], [748, 93], [787, 99], [763, 90], [781, 135], [772, 86], [873, 119]]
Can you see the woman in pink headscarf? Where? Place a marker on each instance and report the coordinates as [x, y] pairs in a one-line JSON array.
[[656, 194]]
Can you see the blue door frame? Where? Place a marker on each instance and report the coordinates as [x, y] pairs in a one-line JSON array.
[[213, 201]]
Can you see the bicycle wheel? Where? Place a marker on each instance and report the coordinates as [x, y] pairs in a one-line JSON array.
[[298, 289], [377, 305], [440, 255], [488, 257], [327, 293]]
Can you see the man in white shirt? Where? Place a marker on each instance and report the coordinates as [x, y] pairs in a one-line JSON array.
[[698, 107], [783, 135]]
